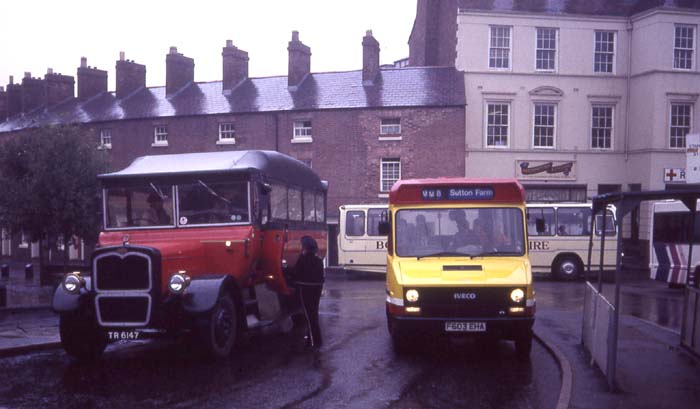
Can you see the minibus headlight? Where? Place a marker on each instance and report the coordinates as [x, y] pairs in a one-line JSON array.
[[517, 295], [179, 282], [73, 282], [412, 295]]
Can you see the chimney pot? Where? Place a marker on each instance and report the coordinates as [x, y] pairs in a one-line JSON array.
[[235, 66], [295, 35], [2, 89], [173, 50], [121, 55], [130, 76], [370, 59], [179, 71], [299, 61], [27, 74], [49, 71], [229, 43], [83, 62], [12, 79]]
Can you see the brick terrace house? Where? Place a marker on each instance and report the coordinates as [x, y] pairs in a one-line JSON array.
[[360, 130], [597, 94]]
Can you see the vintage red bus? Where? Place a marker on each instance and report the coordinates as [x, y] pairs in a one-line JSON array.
[[197, 243]]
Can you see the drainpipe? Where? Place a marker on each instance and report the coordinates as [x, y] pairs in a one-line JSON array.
[[277, 136], [629, 86]]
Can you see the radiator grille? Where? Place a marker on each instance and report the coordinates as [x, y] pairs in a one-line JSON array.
[[123, 310], [458, 302], [114, 272]]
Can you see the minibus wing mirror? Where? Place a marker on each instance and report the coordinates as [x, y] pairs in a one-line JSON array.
[[539, 225]]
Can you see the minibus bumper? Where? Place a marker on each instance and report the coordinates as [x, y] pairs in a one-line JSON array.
[[505, 328]]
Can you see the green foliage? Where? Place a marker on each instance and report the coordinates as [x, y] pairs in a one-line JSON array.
[[48, 182]]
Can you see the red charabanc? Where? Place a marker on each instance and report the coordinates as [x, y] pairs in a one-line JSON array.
[[194, 243]]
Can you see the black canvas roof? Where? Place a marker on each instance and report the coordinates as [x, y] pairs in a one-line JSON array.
[[272, 164], [400, 87], [589, 7]]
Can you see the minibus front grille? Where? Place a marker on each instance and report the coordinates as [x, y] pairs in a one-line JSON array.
[[464, 302]]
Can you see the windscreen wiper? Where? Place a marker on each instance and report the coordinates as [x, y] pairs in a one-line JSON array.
[[212, 192], [445, 254]]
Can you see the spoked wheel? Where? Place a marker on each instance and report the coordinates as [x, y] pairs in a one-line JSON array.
[[218, 330], [567, 268], [81, 337]]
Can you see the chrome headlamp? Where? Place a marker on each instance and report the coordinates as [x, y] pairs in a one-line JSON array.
[[73, 282], [179, 282]]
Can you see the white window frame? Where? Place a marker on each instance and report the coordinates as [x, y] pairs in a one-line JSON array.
[[5, 242], [302, 131], [486, 124], [671, 126], [382, 176], [510, 48], [554, 125], [23, 240], [105, 139], [537, 48], [691, 49], [160, 135], [612, 126], [614, 52], [390, 129], [227, 133]]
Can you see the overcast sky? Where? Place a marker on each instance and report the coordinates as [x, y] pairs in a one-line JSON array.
[[48, 33]]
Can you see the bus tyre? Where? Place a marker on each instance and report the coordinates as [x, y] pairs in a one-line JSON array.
[[523, 346], [567, 268], [81, 337], [218, 329]]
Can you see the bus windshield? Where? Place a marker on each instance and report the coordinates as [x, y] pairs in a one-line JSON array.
[[149, 205], [460, 231], [212, 203]]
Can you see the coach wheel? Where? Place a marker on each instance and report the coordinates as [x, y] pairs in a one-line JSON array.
[[567, 268], [81, 337], [523, 346], [218, 330]]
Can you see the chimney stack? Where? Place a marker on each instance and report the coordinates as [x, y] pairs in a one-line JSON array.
[[33, 93], [58, 87], [14, 98], [3, 105], [130, 76], [91, 81], [299, 61], [235, 66], [370, 58], [179, 71]]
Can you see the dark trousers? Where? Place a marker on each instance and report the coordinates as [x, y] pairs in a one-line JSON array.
[[310, 298]]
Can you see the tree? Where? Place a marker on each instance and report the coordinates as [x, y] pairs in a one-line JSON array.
[[49, 184]]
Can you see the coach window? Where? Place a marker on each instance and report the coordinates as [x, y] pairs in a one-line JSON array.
[[374, 216], [309, 211], [543, 216], [278, 202], [573, 221], [295, 204], [355, 223], [609, 224]]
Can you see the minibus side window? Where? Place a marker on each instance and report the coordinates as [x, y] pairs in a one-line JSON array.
[[355, 223]]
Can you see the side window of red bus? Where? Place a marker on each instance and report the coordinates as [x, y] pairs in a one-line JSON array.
[[355, 223], [294, 204], [309, 210], [278, 202], [320, 208]]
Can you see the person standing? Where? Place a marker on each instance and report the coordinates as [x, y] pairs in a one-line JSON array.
[[308, 277]]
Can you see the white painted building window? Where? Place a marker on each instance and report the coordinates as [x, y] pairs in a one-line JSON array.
[[604, 54], [544, 125], [302, 132], [546, 49], [390, 173], [106, 139], [681, 120], [160, 135], [6, 241], [23, 240], [497, 124], [601, 126], [227, 133], [390, 126], [684, 47], [499, 47]]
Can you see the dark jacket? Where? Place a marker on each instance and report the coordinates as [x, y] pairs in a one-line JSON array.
[[309, 270]]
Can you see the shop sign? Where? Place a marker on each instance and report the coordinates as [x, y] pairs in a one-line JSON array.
[[540, 169]]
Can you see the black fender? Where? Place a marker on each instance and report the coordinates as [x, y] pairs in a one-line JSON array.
[[203, 292], [63, 301]]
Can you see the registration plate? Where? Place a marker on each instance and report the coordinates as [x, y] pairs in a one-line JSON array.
[[123, 335], [462, 326]]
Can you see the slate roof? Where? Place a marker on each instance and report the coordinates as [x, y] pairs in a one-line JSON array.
[[587, 7], [273, 164], [400, 87]]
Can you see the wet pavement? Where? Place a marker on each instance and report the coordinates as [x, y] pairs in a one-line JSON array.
[[24, 291], [356, 368]]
